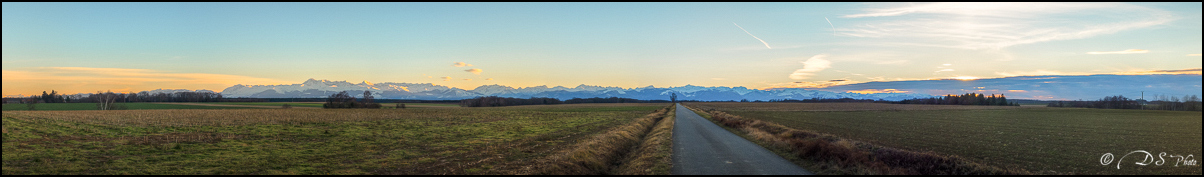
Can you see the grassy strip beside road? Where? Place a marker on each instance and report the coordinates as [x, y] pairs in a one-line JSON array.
[[654, 155], [628, 145]]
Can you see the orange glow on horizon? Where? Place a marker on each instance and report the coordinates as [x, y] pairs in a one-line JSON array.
[[965, 78], [873, 91]]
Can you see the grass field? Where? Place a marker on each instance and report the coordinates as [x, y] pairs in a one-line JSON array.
[[491, 140], [318, 104], [276, 104], [1041, 140], [92, 106]]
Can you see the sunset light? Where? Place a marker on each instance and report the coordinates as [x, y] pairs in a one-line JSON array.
[[965, 78], [601, 88]]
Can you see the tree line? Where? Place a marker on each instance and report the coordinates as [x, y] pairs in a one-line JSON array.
[[144, 96], [964, 99], [1188, 103], [493, 101]]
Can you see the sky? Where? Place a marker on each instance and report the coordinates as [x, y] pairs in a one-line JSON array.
[[122, 47]]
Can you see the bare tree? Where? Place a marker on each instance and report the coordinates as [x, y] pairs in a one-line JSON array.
[[104, 101], [368, 99]]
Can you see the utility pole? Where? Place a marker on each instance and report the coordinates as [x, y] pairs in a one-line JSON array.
[[1142, 100]]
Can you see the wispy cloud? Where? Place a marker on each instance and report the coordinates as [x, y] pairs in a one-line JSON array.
[[489, 79], [445, 78], [461, 64], [1130, 51], [944, 70], [474, 71], [977, 25], [814, 64], [87, 80], [830, 24], [750, 34], [468, 79], [1193, 55], [718, 79]]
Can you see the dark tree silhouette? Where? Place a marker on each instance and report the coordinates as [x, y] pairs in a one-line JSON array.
[[344, 100], [1188, 103], [339, 100], [964, 99], [368, 101], [30, 102]]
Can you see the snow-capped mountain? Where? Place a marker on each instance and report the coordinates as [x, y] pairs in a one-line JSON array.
[[322, 88]]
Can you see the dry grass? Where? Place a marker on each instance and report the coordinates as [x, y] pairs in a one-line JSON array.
[[457, 141], [654, 155], [839, 107], [835, 155], [604, 153]]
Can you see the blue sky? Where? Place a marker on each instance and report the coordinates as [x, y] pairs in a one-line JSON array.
[[84, 47]]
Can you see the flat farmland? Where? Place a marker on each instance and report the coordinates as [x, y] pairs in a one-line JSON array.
[[491, 140], [319, 104], [1038, 139], [92, 106]]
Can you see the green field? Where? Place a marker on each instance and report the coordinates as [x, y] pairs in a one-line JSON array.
[[493, 140], [294, 104], [1044, 140], [92, 106]]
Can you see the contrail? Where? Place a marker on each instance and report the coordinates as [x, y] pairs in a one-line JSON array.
[[833, 26], [750, 34]]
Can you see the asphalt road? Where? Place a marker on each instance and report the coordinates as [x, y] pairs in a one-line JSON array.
[[703, 148]]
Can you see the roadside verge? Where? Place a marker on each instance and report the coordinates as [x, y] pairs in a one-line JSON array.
[[828, 154]]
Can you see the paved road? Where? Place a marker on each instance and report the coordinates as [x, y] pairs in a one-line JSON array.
[[703, 148]]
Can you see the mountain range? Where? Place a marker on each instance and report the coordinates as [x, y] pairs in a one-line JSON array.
[[313, 88], [1050, 87]]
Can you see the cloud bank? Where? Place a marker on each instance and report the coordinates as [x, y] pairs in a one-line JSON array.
[[1086, 87], [814, 64]]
